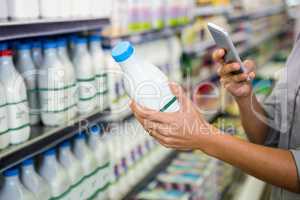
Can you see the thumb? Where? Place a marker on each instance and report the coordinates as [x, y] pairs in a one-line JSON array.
[[179, 93]]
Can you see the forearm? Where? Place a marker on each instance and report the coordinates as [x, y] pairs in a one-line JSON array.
[[274, 166], [251, 116]]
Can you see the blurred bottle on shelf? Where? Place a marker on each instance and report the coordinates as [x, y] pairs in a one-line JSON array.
[[3, 10], [36, 53], [33, 182], [4, 136], [52, 87], [85, 74], [100, 151], [73, 168], [29, 73], [71, 98], [88, 162], [12, 187], [55, 175], [16, 97], [99, 64], [49, 8]]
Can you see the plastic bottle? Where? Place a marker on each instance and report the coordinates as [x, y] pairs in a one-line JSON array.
[[65, 8], [36, 53], [18, 9], [88, 162], [4, 132], [3, 10], [72, 167], [12, 187], [99, 64], [157, 14], [28, 70], [51, 82], [16, 97], [85, 74], [143, 81], [33, 182], [101, 153], [54, 174], [70, 79], [33, 9], [49, 8]]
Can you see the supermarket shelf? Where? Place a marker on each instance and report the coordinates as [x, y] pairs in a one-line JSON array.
[[140, 37], [201, 48], [151, 175], [264, 12], [10, 30], [43, 138], [210, 10]]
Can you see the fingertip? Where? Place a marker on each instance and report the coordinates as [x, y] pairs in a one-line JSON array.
[[221, 52]]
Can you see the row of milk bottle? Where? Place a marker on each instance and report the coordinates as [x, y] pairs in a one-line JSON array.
[[142, 15], [45, 83], [131, 161], [33, 9], [78, 169]]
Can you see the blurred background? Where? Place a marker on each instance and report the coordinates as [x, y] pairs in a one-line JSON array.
[[173, 35]]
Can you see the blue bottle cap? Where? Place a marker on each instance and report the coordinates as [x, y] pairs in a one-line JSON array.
[[122, 51], [27, 162], [95, 38], [50, 152], [65, 144], [23, 46], [49, 45], [81, 135], [3, 46], [61, 42], [11, 172], [36, 44], [80, 40]]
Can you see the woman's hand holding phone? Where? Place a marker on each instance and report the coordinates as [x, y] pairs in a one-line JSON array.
[[237, 84]]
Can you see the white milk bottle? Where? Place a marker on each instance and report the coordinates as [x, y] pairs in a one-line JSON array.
[[49, 8], [85, 74], [3, 10], [72, 167], [101, 153], [36, 54], [33, 182], [16, 97], [98, 62], [33, 9], [88, 163], [12, 187], [65, 8], [54, 174], [70, 78], [4, 132], [18, 9], [28, 70], [144, 82], [51, 82]]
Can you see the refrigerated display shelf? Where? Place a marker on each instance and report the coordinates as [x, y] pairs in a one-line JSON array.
[[140, 37], [10, 30], [211, 10], [151, 175], [264, 12], [43, 138]]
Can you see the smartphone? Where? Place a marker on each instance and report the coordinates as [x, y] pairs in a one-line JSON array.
[[223, 41]]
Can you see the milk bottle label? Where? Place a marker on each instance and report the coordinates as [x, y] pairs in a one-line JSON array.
[[71, 95], [3, 120], [52, 100], [18, 117], [101, 82]]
